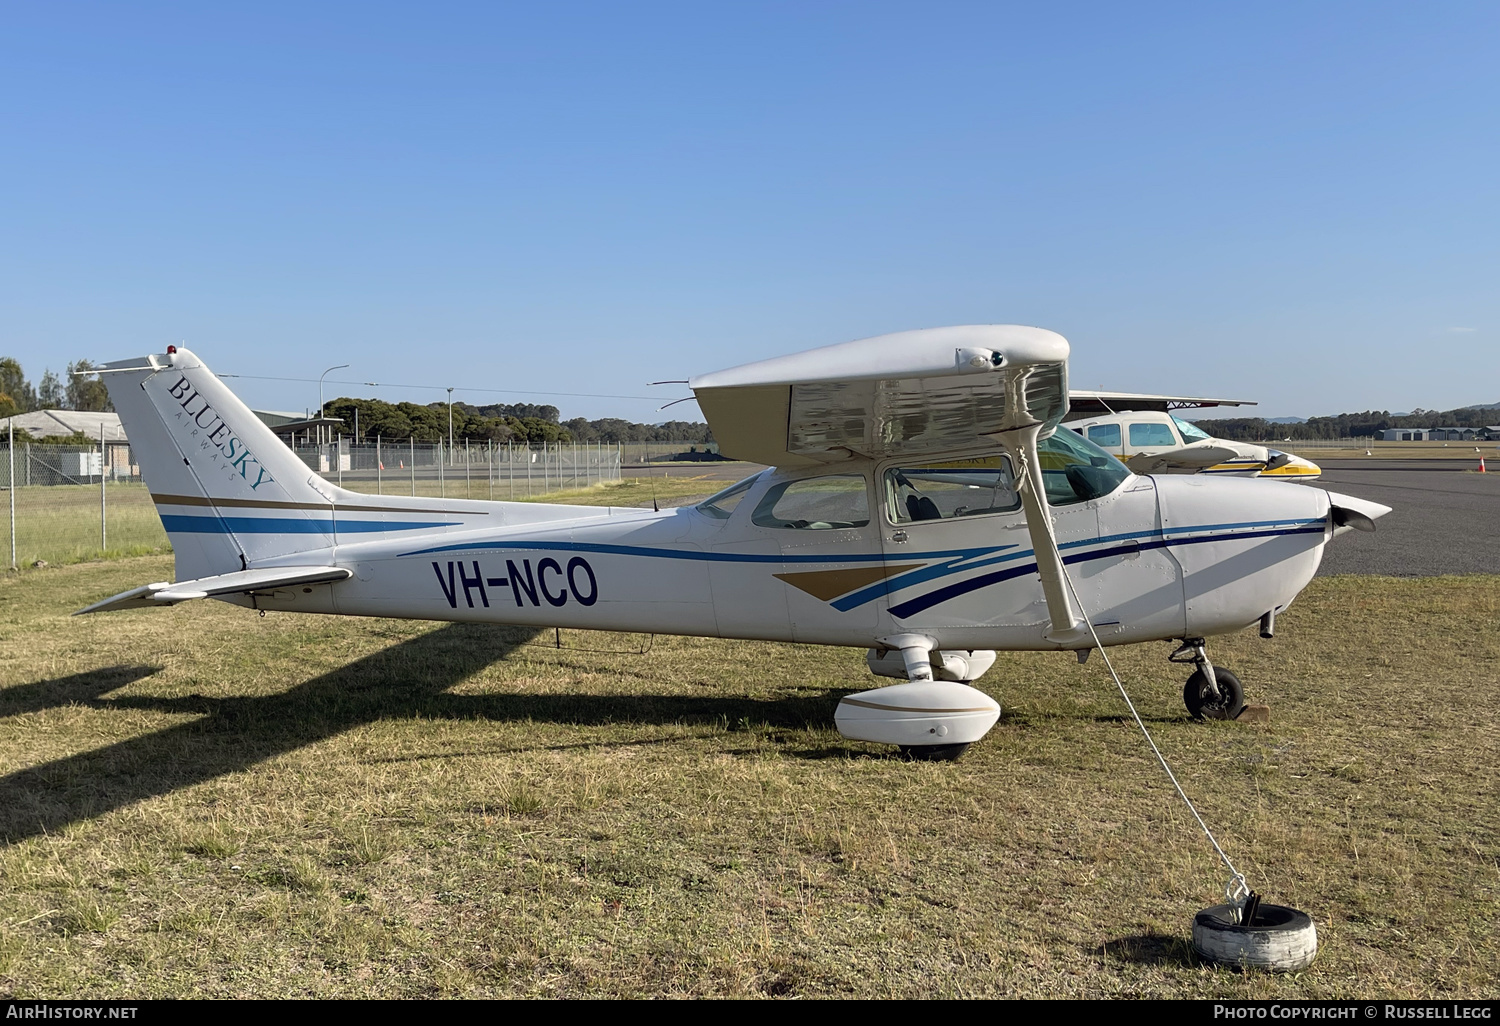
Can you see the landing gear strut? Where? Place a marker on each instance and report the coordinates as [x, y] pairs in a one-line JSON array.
[[1212, 692]]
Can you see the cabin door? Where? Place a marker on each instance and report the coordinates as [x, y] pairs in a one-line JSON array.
[[830, 550]]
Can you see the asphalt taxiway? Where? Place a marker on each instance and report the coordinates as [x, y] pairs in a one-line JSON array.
[[1444, 519]]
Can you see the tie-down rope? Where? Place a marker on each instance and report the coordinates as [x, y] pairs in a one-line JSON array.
[[1236, 891]]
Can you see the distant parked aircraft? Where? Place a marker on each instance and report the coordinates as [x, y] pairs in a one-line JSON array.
[[1141, 431]]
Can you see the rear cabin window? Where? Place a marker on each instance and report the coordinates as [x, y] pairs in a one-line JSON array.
[[815, 504], [1105, 435], [1152, 434], [943, 491]]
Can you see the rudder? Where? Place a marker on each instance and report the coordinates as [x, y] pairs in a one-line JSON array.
[[229, 492]]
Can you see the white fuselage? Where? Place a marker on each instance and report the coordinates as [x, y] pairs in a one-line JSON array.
[[927, 508], [1156, 558]]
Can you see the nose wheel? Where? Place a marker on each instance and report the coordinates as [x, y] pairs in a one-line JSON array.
[[1212, 692], [1222, 702]]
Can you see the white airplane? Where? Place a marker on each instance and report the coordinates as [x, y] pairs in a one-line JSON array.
[[923, 506], [1141, 430]]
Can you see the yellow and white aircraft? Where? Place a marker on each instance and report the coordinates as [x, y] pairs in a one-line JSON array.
[[1142, 431], [923, 506]]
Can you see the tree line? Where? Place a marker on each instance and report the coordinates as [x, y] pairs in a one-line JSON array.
[[76, 390], [1345, 425], [521, 423]]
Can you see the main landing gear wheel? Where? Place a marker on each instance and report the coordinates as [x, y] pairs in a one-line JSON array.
[[1277, 937], [1203, 705], [933, 753]]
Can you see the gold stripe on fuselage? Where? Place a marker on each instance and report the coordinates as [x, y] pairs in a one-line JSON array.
[[830, 584]]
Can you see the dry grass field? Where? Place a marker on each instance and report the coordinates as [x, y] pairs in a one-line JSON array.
[[197, 801]]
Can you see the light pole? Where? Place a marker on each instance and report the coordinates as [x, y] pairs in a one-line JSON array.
[[450, 423], [325, 374]]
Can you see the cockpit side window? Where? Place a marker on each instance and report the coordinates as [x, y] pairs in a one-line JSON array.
[[723, 504], [954, 488], [815, 503], [1152, 434]]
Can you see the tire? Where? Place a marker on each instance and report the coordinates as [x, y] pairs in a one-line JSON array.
[[1281, 938], [1226, 707], [934, 753]]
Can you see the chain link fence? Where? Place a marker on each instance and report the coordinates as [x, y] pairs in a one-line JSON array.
[[1362, 442], [466, 470], [67, 503]]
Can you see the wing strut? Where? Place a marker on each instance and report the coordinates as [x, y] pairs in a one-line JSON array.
[[1069, 628]]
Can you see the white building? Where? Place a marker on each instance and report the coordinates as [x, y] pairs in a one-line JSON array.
[[42, 423]]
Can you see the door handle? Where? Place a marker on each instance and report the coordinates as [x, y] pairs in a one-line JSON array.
[[899, 536]]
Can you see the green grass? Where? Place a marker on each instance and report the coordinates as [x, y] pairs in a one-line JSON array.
[[201, 802], [60, 523], [667, 490]]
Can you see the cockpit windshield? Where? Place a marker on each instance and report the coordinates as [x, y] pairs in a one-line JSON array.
[[1074, 469], [1190, 432]]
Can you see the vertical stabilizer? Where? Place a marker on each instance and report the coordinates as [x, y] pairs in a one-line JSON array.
[[231, 495]]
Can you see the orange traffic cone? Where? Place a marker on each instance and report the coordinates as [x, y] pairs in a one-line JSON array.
[[1481, 465]]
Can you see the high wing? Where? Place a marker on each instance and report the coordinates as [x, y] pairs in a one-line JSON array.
[[975, 386], [1083, 403], [902, 394]]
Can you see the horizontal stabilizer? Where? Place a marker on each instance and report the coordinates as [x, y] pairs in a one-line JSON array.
[[239, 582]]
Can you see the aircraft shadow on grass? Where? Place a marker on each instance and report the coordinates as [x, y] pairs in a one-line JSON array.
[[405, 681]]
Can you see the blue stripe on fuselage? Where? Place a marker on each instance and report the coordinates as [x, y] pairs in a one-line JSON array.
[[953, 561], [710, 557], [177, 523], [920, 603]]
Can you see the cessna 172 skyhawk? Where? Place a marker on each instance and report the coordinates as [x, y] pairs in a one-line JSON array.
[[1141, 430], [923, 506]]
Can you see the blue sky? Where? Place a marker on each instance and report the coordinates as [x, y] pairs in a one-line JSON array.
[[1295, 203]]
